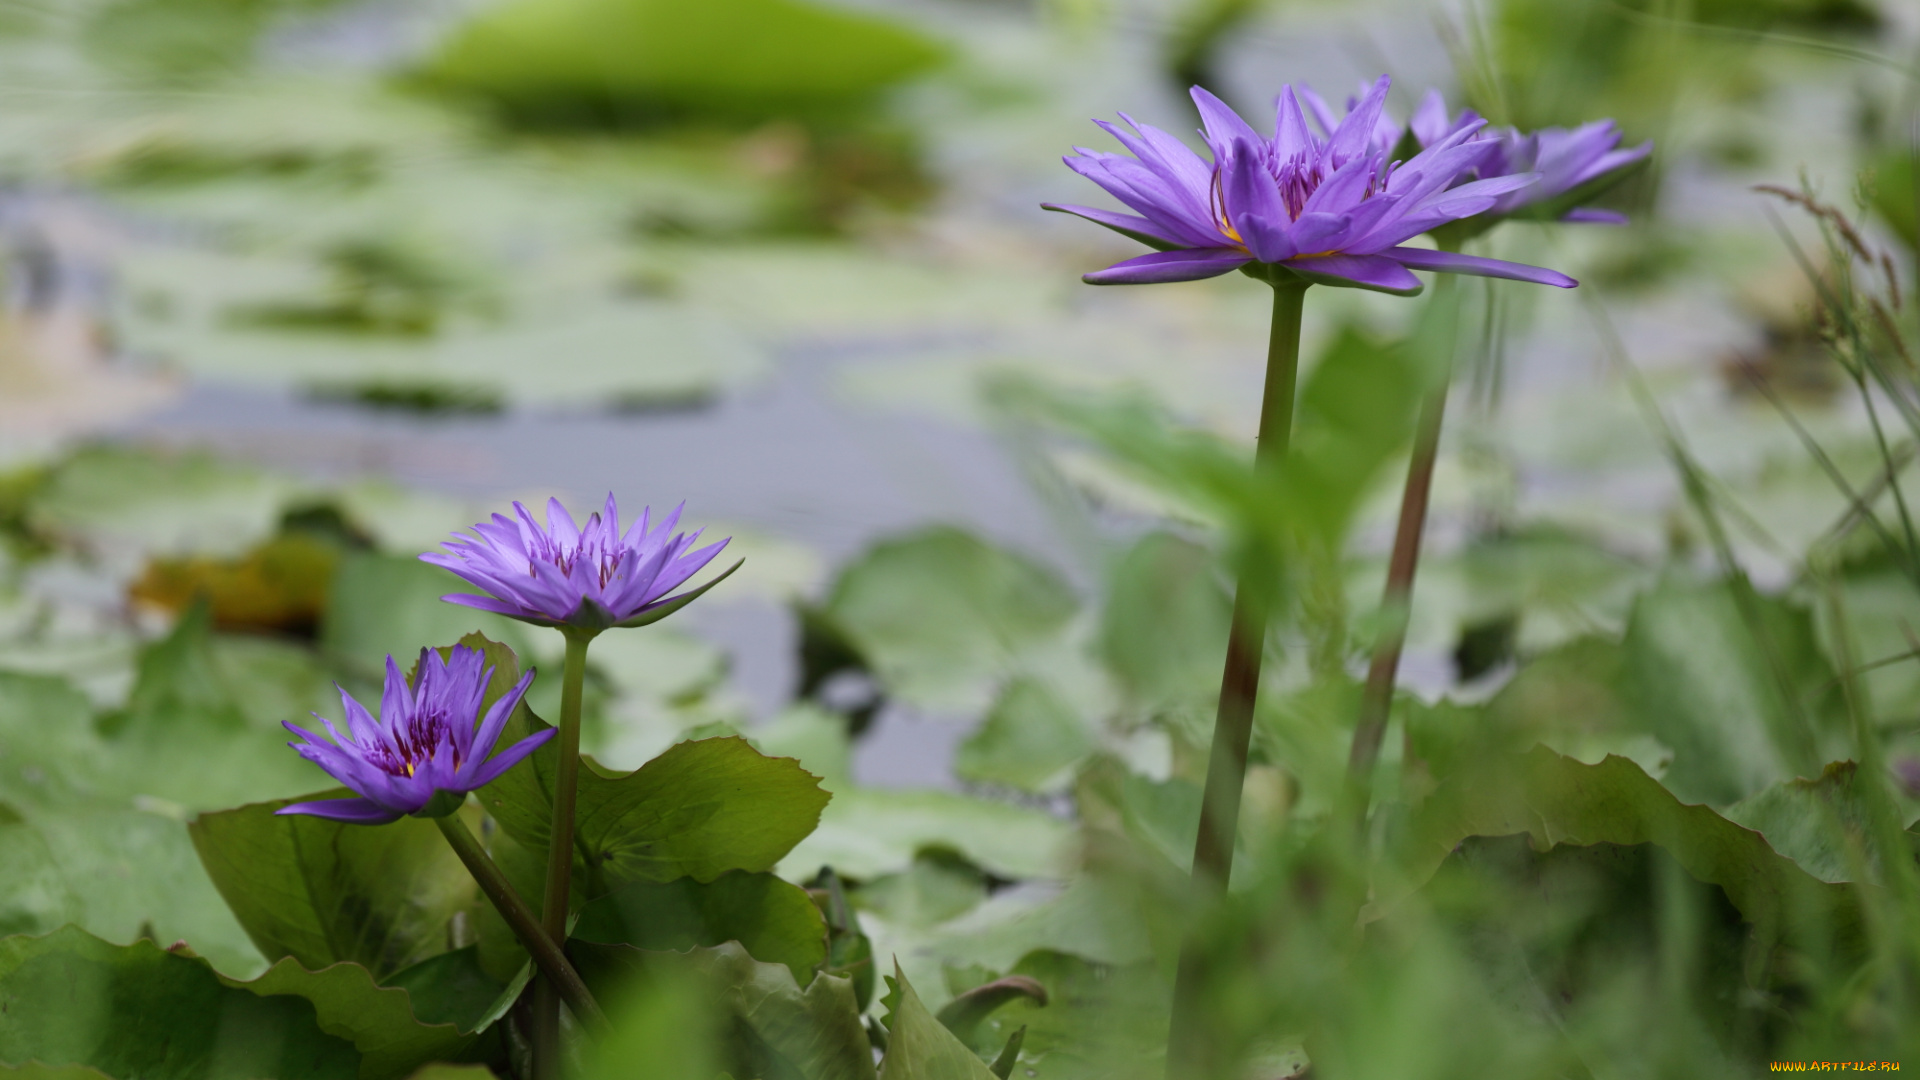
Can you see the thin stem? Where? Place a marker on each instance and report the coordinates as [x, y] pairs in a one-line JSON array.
[[552, 962], [553, 908], [1396, 605], [1396, 601], [1239, 686]]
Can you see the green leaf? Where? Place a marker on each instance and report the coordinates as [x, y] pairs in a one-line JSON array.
[[774, 920], [1096, 1021], [187, 735], [868, 832], [379, 1021], [1356, 412], [1823, 825], [125, 499], [34, 1070], [753, 57], [920, 1047], [1557, 800], [1741, 705], [1164, 628], [938, 886], [383, 605], [939, 614], [781, 1030], [141, 1011], [668, 1023], [699, 810], [1030, 740], [454, 988], [78, 850], [324, 892]]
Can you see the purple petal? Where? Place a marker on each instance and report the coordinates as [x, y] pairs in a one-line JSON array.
[[1430, 122], [351, 811], [1587, 215], [496, 719], [1354, 137], [1223, 125], [508, 758], [1290, 134], [1452, 262], [1187, 264], [1319, 232], [1369, 271], [1128, 225]]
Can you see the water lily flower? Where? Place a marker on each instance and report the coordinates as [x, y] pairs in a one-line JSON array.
[[1572, 164], [425, 751], [1333, 210], [584, 578]]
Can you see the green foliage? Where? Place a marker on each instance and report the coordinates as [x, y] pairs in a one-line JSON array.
[[1164, 627], [324, 892], [642, 60], [774, 921], [1822, 824], [1030, 740], [773, 1027], [139, 1010], [699, 810], [1097, 1020], [383, 605], [1556, 800], [1741, 703], [919, 1047], [937, 613], [867, 832]]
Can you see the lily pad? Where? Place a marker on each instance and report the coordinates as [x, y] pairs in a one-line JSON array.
[[938, 614], [324, 892], [613, 59], [774, 921], [867, 832]]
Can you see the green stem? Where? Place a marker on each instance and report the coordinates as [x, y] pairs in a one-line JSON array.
[[1396, 601], [1239, 686], [1396, 605], [552, 962], [553, 908]]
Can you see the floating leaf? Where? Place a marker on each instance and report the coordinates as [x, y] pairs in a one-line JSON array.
[[1164, 628], [867, 832], [811, 1034], [939, 613], [379, 1021], [600, 57], [384, 605], [1741, 706], [1556, 800], [919, 1047], [775, 921], [699, 810], [1094, 1021], [141, 1011], [1823, 825], [1030, 740], [324, 892]]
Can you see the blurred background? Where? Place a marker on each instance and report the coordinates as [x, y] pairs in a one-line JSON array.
[[292, 288]]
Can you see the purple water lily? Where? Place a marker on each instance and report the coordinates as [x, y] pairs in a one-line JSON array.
[[586, 578], [1332, 210], [1568, 162], [425, 751]]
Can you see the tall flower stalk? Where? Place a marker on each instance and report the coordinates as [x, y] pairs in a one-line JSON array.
[[582, 581], [1573, 165], [1297, 209]]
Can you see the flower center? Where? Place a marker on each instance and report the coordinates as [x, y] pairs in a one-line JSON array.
[[1296, 178], [605, 560], [427, 733]]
